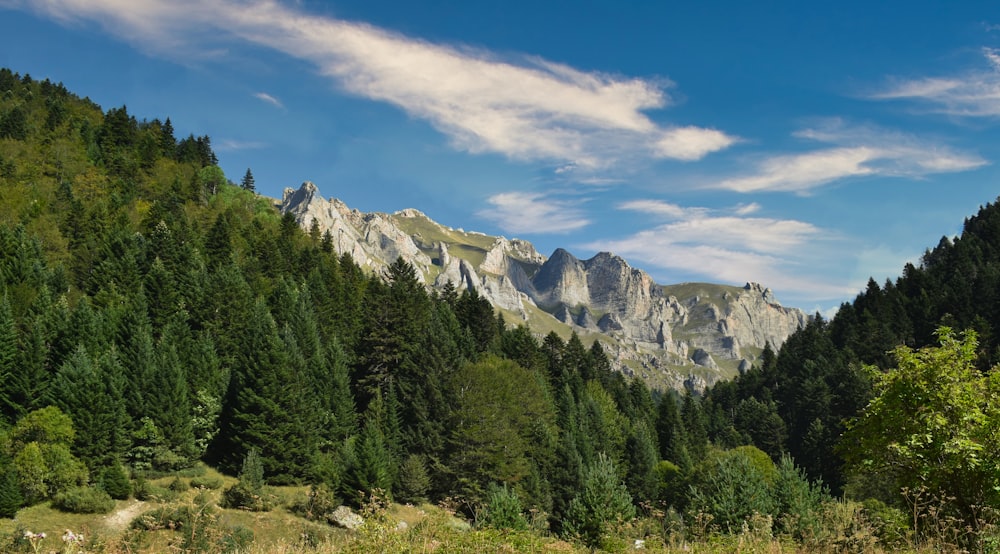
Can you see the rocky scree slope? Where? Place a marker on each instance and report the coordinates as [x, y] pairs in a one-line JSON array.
[[689, 335]]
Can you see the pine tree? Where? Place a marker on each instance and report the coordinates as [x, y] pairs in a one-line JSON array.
[[248, 183], [602, 503], [12, 377], [11, 498], [266, 406]]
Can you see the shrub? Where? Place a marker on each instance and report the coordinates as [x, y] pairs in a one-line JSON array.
[[798, 501], [892, 525], [206, 482], [114, 480], [84, 500], [319, 502], [732, 486], [504, 510], [243, 497], [178, 485], [249, 493], [145, 490], [602, 503]]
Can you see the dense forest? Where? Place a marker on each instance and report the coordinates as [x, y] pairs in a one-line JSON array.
[[155, 314]]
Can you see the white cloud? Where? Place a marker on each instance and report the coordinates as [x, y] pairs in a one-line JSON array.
[[727, 246], [526, 109], [269, 99], [530, 212], [855, 151], [972, 94], [225, 145]]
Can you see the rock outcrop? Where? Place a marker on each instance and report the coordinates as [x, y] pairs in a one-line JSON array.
[[687, 335]]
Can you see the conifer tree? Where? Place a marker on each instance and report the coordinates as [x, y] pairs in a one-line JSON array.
[[12, 385], [670, 433], [694, 426], [91, 394], [266, 405], [248, 183]]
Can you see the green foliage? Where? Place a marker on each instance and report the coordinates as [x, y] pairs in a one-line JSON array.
[[500, 412], [602, 504], [413, 481], [932, 426], [11, 498], [798, 501], [249, 493], [114, 480], [39, 446], [732, 486], [503, 509], [83, 500]]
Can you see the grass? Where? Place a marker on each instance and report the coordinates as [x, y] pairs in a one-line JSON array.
[[428, 528]]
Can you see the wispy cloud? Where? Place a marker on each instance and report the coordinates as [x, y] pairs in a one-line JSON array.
[[531, 212], [269, 99], [229, 145], [973, 93], [854, 151], [727, 246], [526, 108]]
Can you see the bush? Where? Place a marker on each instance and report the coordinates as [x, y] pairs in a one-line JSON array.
[[892, 525], [319, 502], [145, 490], [504, 510], [178, 485], [114, 481], [243, 497], [207, 482], [732, 486], [602, 503], [84, 500]]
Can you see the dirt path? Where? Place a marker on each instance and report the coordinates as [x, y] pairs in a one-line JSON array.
[[119, 520]]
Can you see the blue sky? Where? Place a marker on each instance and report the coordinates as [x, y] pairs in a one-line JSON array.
[[803, 145]]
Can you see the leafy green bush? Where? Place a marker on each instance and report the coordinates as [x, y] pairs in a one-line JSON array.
[[114, 480], [206, 482], [243, 497], [504, 510], [84, 500], [732, 486], [892, 525]]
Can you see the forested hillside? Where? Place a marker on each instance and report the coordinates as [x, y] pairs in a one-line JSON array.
[[155, 314]]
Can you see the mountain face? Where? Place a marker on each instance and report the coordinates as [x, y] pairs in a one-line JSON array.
[[692, 334]]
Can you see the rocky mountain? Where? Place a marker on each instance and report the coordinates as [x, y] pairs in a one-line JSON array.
[[691, 334]]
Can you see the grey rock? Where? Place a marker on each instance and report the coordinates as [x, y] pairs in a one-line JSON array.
[[665, 330], [345, 517]]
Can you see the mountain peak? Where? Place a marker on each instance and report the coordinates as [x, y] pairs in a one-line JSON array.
[[666, 334]]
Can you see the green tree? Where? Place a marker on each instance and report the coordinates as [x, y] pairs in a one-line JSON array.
[[248, 183], [498, 410], [601, 505], [11, 498], [931, 427], [732, 486]]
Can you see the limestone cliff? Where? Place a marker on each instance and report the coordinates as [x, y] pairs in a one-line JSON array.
[[690, 334]]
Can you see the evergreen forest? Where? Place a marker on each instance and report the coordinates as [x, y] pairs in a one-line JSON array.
[[156, 316]]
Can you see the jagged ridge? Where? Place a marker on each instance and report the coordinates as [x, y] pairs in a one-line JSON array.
[[679, 335]]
